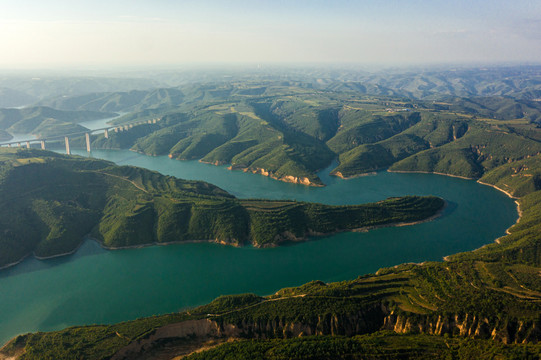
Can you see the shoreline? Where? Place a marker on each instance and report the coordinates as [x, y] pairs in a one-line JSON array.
[[141, 246], [339, 175], [112, 248], [59, 255], [519, 211], [286, 178], [507, 231], [497, 188], [313, 235], [429, 172], [14, 263], [307, 237]]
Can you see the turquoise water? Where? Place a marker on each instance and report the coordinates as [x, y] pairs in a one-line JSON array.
[[99, 286]]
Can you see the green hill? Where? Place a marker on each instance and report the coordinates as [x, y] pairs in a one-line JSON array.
[[51, 201], [479, 150], [290, 131]]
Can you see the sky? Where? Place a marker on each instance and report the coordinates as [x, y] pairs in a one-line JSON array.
[[79, 33]]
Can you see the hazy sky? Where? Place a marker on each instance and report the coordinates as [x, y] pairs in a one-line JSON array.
[[57, 33]]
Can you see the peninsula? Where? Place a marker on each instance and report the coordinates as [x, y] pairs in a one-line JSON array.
[[50, 201]]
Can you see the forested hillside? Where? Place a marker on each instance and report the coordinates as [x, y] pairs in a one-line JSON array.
[[290, 133], [50, 201]]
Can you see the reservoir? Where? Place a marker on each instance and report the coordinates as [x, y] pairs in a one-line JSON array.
[[96, 286]]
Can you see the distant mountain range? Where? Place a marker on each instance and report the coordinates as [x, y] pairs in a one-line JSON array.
[[521, 82]]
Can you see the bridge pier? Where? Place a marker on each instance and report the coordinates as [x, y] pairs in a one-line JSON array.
[[42, 144], [154, 121], [149, 121], [87, 137], [126, 128], [106, 133], [19, 144], [9, 145], [28, 144], [67, 145]]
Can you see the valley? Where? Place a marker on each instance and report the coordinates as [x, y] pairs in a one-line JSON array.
[[308, 138]]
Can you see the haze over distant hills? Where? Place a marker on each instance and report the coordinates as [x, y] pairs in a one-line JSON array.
[[522, 82]]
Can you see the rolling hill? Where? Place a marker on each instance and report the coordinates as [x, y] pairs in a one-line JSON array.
[[50, 201]]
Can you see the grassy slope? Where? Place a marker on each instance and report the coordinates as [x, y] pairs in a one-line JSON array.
[[51, 201], [290, 134], [479, 150]]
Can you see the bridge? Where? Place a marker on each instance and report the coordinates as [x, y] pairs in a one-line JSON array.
[[87, 134]]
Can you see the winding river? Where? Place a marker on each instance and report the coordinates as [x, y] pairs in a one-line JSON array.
[[98, 286]]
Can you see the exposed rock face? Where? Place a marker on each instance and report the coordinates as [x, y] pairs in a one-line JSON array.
[[216, 163], [288, 178], [373, 318], [342, 176], [188, 336], [297, 180], [363, 322], [507, 332], [339, 174]]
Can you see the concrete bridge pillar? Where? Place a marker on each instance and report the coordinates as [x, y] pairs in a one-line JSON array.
[[9, 145], [106, 133], [18, 144], [87, 137], [126, 128], [67, 145], [28, 144], [130, 126], [149, 121], [42, 144], [154, 121]]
